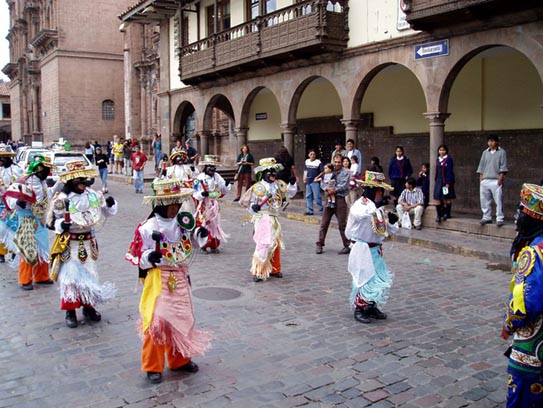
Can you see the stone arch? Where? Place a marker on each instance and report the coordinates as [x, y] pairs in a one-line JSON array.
[[366, 81], [244, 115], [298, 93], [182, 113], [452, 75], [220, 102]]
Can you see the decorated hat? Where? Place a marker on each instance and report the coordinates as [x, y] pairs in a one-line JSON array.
[[267, 164], [19, 191], [5, 150], [211, 160], [168, 191], [38, 164], [76, 169], [531, 200], [175, 155], [374, 179]]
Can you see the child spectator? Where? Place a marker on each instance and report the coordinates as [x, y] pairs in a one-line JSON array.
[[328, 179], [423, 181]]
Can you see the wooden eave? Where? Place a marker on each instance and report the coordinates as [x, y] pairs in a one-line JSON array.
[[140, 13]]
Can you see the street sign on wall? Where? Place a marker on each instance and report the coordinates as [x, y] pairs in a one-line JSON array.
[[433, 49]]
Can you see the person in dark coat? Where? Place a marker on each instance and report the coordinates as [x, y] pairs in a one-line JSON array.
[[444, 186], [399, 170]]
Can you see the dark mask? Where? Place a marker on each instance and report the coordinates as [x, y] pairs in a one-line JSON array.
[[267, 174], [210, 170]]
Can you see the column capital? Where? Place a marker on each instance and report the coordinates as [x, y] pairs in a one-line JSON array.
[[288, 127], [350, 124], [241, 130], [436, 118]]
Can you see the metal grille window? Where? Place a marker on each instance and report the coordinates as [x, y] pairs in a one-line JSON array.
[[108, 110]]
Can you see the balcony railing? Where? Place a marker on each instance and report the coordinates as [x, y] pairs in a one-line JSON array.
[[301, 30], [445, 14]]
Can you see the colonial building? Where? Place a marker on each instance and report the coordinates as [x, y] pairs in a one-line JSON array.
[[66, 70], [383, 72], [5, 112]]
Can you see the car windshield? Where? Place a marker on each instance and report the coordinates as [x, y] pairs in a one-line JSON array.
[[61, 160]]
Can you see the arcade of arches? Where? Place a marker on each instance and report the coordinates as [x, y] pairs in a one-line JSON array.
[[490, 83]]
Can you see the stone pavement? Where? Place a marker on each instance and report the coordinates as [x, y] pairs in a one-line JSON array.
[[282, 343]]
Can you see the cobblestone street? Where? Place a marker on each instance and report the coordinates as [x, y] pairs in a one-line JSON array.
[[282, 343]]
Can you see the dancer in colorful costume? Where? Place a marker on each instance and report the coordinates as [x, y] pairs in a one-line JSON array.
[[31, 239], [9, 173], [74, 213], [264, 200], [367, 226], [524, 310], [161, 248], [179, 168], [209, 186]]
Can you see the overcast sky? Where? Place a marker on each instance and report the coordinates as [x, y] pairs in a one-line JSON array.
[[4, 45]]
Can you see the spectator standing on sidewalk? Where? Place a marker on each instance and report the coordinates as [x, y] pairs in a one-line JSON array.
[[312, 168], [340, 190], [411, 202], [444, 187], [139, 160], [339, 149], [399, 170], [524, 309], [156, 145], [245, 161], [118, 149], [127, 157], [492, 170], [423, 182], [102, 161], [353, 151], [368, 225]]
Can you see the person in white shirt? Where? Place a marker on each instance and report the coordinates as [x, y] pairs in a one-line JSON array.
[[411, 201]]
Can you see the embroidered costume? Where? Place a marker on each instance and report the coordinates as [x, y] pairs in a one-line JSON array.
[[31, 241], [209, 186], [9, 174], [264, 200], [367, 227], [74, 212], [161, 248], [524, 312]]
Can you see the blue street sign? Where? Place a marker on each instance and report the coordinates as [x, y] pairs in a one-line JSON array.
[[433, 49]]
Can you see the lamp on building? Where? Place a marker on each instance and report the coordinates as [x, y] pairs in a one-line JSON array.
[[148, 10], [123, 26]]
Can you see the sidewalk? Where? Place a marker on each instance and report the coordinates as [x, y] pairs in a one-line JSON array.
[[459, 236]]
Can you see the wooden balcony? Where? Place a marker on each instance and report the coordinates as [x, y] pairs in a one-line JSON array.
[[447, 15], [298, 32]]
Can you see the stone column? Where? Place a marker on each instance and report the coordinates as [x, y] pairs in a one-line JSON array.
[[143, 102], [204, 141], [35, 110], [289, 130], [351, 131], [241, 139], [437, 129]]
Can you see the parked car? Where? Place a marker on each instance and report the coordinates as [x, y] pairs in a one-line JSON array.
[[60, 158], [26, 154]]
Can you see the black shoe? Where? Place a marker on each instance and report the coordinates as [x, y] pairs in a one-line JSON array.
[[71, 319], [236, 199], [500, 223], [360, 316], [214, 250], [438, 219], [483, 221], [318, 250], [277, 275], [373, 311], [445, 217], [2, 259], [190, 367], [203, 251], [344, 251], [28, 286], [257, 279], [91, 314], [308, 213], [46, 282], [154, 378]]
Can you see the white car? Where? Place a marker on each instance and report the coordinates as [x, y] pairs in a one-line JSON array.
[[26, 154], [60, 158]]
